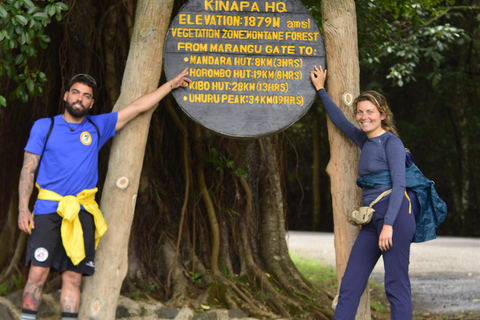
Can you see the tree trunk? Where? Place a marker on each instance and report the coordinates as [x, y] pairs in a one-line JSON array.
[[142, 74], [316, 181], [111, 67], [9, 230], [340, 34]]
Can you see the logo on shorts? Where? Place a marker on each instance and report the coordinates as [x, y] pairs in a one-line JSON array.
[[86, 138], [41, 254], [90, 264]]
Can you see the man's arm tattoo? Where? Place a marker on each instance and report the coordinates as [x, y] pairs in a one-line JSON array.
[[27, 176]]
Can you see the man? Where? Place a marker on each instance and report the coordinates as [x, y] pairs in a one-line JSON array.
[[66, 223]]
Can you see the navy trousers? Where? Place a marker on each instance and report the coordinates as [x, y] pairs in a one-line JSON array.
[[365, 254]]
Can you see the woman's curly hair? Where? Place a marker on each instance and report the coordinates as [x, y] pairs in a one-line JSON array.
[[379, 101]]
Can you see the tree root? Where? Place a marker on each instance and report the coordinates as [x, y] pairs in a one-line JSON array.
[[186, 164], [22, 241], [223, 285], [9, 230], [178, 291]]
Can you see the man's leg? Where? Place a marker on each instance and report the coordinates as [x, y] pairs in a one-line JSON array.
[[72, 275], [70, 296], [32, 294]]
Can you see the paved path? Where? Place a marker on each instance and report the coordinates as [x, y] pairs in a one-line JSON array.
[[444, 273]]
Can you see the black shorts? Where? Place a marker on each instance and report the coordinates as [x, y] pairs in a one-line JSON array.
[[45, 247]]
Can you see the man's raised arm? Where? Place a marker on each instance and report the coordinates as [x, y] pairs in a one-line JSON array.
[[149, 100]]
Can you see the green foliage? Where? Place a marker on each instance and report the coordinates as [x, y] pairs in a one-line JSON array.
[[3, 289], [13, 283], [222, 163], [378, 306], [22, 25], [402, 34], [144, 286], [405, 33], [196, 277], [315, 10]]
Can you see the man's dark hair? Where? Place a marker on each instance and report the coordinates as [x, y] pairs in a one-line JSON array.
[[85, 79]]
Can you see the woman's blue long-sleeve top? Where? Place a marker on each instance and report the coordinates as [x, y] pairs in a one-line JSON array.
[[383, 153]]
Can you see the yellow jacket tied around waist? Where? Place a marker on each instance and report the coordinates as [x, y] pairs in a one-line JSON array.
[[71, 229]]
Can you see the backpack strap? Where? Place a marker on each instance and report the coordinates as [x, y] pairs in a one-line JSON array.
[[96, 128], [380, 197], [48, 135]]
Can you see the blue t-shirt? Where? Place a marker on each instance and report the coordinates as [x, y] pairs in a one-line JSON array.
[[383, 153], [70, 161]]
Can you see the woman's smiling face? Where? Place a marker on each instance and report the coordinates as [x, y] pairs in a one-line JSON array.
[[369, 118]]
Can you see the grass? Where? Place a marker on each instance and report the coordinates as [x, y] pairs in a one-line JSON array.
[[316, 271]]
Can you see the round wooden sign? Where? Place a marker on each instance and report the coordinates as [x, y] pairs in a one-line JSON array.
[[250, 63]]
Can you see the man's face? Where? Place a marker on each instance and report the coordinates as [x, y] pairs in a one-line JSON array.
[[78, 100]]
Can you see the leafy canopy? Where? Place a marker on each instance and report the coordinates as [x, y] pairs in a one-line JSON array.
[[404, 33], [22, 25]]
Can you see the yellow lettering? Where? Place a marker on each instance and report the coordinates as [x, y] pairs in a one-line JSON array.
[[181, 18], [234, 6], [210, 73], [281, 7], [244, 5], [269, 7], [276, 7], [204, 98], [223, 6], [209, 60], [188, 46], [299, 24], [213, 21], [288, 49], [301, 36], [208, 5], [272, 49]]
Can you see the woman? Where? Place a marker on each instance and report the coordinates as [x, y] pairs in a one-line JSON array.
[[392, 227]]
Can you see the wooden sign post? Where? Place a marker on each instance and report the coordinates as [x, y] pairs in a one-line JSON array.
[[250, 63]]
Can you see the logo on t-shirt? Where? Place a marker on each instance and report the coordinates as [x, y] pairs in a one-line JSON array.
[[86, 138], [41, 254]]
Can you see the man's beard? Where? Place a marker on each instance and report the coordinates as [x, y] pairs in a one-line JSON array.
[[76, 112]]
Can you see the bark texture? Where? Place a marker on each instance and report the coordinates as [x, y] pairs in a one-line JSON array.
[[142, 74], [316, 180], [340, 34]]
